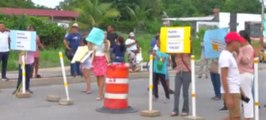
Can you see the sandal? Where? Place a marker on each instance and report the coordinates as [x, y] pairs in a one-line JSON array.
[[99, 98], [38, 76], [173, 114]]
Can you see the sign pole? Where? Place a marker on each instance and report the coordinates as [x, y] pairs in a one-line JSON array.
[[66, 101], [256, 88], [23, 73], [193, 92], [150, 112]]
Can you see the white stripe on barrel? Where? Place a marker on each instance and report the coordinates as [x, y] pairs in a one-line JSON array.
[[117, 80], [115, 96]]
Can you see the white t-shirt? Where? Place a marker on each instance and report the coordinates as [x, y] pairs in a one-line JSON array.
[[227, 60], [155, 47], [99, 50], [133, 47], [4, 45]]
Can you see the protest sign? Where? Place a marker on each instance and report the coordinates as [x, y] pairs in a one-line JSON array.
[[175, 39], [23, 40]]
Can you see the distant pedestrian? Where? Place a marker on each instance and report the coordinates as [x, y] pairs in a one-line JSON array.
[[245, 64], [4, 50], [160, 71], [35, 66], [215, 79], [230, 76], [203, 71], [72, 41], [112, 37], [99, 63], [132, 50], [119, 50], [182, 79]]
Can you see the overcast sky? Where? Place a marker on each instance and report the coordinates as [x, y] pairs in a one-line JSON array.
[[48, 3]]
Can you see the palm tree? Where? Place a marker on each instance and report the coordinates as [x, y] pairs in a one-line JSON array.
[[94, 13]]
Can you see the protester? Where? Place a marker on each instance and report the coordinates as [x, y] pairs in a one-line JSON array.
[[72, 41], [159, 72], [39, 45], [167, 78], [85, 67], [99, 64], [112, 37], [182, 79], [29, 60], [245, 65], [215, 78], [132, 49], [4, 50], [119, 50], [230, 76]]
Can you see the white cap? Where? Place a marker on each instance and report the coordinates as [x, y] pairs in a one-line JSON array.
[[75, 25], [131, 34]]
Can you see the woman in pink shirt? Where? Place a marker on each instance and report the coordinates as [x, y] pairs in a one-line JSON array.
[[35, 66], [245, 65]]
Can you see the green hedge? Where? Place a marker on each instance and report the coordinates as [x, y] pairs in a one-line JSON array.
[[51, 35]]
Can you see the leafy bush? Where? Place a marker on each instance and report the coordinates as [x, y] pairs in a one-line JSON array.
[[51, 34]]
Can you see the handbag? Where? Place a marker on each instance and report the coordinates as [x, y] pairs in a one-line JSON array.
[[69, 54]]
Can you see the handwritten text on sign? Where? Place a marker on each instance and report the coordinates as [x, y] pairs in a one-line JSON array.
[[175, 40], [23, 40]]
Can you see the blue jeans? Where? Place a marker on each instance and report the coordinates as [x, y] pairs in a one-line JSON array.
[[215, 77], [119, 59], [75, 69], [4, 59]]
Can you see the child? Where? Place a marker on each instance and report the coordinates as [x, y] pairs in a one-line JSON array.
[[119, 50], [159, 72]]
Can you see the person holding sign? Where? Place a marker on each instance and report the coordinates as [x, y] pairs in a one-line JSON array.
[[132, 49], [182, 79], [99, 64], [72, 41], [4, 49], [230, 76]]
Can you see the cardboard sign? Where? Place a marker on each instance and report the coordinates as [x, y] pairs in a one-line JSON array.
[[23, 40], [214, 42], [175, 39], [81, 54], [96, 36]]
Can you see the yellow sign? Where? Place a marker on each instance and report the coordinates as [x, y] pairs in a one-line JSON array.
[[175, 39]]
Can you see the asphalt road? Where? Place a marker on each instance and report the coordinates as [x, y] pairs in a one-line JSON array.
[[84, 108]]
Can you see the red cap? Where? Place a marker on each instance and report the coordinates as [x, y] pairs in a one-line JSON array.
[[234, 36]]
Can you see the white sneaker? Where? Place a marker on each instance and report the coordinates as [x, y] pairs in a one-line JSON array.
[[5, 79]]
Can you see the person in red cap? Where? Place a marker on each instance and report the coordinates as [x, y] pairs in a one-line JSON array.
[[230, 77]]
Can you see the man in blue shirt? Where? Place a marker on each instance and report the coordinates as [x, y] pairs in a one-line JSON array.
[[72, 41]]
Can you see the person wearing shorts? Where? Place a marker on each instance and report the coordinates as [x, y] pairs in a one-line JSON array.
[[85, 67], [230, 76]]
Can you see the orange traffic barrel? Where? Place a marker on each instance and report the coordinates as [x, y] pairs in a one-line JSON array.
[[116, 90]]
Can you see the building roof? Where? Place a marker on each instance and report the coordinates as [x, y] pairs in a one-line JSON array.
[[207, 18], [38, 12]]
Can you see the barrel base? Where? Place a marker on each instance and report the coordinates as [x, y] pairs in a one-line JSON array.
[[65, 102], [23, 95], [122, 111], [193, 118], [53, 98], [152, 113]]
